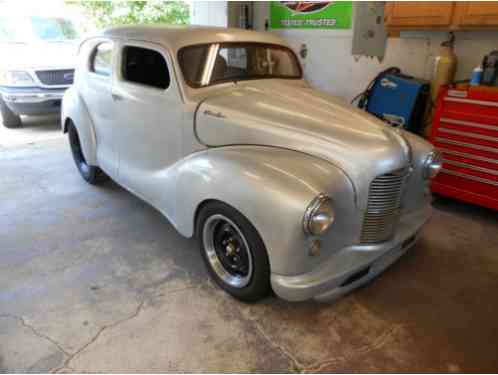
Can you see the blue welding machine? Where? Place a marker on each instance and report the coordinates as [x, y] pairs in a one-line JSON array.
[[397, 99]]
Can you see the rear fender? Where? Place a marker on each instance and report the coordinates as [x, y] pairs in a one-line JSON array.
[[75, 110]]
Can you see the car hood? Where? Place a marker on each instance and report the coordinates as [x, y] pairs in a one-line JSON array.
[[39, 55], [294, 116]]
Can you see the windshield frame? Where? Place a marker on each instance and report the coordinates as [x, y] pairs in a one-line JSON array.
[[220, 45]]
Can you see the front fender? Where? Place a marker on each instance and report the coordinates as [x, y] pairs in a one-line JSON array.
[[75, 109], [418, 190], [272, 187]]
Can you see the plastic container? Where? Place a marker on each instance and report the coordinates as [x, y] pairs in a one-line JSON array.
[[475, 79]]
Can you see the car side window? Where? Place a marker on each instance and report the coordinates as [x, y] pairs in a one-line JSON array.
[[101, 61], [145, 66]]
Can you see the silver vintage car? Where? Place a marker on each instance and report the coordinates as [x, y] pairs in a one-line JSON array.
[[288, 188]]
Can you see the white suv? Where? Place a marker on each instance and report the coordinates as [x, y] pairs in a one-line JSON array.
[[37, 65]]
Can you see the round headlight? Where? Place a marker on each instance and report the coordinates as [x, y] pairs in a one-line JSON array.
[[433, 164], [319, 215]]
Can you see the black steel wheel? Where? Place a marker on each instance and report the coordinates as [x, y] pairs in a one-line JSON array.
[[233, 252], [91, 174], [227, 251]]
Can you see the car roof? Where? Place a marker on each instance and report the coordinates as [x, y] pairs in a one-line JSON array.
[[176, 37]]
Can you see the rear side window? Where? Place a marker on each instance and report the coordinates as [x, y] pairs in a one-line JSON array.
[[101, 62], [146, 67]]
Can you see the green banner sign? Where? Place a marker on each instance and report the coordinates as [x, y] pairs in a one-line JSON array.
[[311, 14]]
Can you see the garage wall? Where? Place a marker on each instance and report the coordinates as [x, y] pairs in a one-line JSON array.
[[212, 13], [471, 47], [331, 67]]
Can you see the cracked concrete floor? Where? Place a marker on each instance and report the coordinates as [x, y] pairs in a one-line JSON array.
[[93, 279]]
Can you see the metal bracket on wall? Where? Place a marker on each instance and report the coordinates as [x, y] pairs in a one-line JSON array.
[[369, 33]]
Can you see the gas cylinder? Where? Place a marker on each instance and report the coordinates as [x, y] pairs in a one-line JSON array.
[[444, 67], [445, 64]]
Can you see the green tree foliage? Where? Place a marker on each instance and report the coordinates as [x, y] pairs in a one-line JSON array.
[[111, 13]]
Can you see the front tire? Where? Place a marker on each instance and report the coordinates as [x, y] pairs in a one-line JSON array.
[[91, 174], [233, 252], [10, 119]]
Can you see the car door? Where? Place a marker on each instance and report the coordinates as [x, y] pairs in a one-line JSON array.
[[97, 94], [148, 109]]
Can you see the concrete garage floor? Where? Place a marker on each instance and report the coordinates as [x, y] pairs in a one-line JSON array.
[[34, 129], [93, 279]]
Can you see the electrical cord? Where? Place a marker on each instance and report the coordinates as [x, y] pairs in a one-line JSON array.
[[363, 96]]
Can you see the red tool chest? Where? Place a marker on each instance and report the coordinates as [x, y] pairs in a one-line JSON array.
[[465, 130]]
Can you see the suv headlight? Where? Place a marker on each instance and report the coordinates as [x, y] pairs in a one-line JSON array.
[[433, 164], [319, 215], [16, 78]]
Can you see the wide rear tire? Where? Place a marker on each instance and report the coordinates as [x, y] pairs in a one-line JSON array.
[[91, 174], [10, 119], [233, 252]]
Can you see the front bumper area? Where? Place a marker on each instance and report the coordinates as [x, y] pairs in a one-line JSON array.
[[352, 266], [32, 100]]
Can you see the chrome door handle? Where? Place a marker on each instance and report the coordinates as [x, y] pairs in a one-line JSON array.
[[116, 97]]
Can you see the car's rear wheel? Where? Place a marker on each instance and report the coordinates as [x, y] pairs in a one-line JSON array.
[[10, 119], [233, 252], [91, 174]]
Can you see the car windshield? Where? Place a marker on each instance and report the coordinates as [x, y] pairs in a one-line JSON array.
[[25, 29], [9, 32], [53, 29], [209, 64]]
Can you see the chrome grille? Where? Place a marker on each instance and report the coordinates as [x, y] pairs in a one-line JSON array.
[[384, 200], [56, 77]]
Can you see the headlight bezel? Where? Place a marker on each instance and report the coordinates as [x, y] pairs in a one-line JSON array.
[[319, 215], [433, 164], [23, 79]]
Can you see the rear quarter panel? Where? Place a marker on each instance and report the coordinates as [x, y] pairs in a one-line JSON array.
[[75, 110]]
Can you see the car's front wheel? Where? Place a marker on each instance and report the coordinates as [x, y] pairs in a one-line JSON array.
[[233, 252], [10, 119], [91, 174]]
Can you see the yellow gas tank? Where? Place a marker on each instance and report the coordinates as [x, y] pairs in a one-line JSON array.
[[445, 65]]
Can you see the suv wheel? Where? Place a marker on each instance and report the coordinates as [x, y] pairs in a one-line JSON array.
[[10, 119], [233, 252], [91, 174]]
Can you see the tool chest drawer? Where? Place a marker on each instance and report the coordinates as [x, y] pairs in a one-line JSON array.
[[465, 130]]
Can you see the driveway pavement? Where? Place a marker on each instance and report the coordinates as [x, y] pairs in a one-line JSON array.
[[34, 129], [93, 279]]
